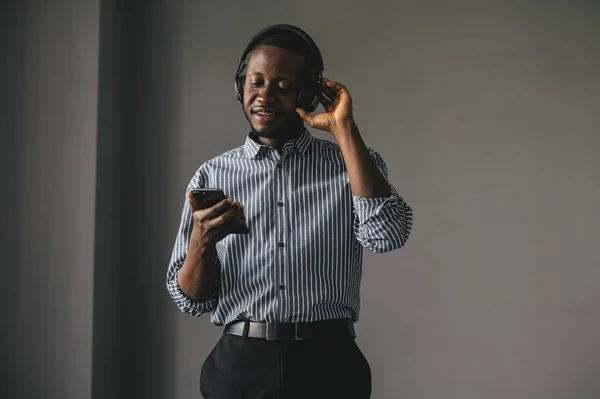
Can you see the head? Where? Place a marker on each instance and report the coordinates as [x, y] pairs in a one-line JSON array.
[[278, 68]]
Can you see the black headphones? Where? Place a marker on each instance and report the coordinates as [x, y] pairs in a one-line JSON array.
[[310, 95]]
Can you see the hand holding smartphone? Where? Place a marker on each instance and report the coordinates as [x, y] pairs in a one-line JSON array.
[[206, 198]]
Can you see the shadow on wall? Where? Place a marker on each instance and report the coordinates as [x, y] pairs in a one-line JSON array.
[[139, 80], [151, 128], [13, 121]]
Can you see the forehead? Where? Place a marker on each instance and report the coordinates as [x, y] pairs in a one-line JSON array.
[[273, 60]]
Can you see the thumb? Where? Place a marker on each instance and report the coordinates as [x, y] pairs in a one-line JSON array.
[[193, 202], [308, 118]]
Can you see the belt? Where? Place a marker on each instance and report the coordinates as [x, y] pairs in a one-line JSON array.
[[291, 331]]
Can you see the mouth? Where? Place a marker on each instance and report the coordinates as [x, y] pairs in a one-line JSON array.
[[266, 114]]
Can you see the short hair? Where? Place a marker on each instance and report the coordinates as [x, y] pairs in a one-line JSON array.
[[293, 42]]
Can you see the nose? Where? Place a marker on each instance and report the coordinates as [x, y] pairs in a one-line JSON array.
[[267, 93]]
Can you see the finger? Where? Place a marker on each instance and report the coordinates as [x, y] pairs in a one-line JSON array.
[[230, 221], [240, 214], [308, 118], [337, 95], [223, 219], [329, 82], [333, 95], [335, 86], [327, 91], [237, 206], [217, 209]]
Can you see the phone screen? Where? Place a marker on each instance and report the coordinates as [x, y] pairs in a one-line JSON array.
[[207, 197]]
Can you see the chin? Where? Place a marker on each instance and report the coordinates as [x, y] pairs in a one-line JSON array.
[[270, 130], [276, 128], [266, 132]]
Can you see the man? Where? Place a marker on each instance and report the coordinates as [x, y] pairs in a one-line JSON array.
[[288, 291]]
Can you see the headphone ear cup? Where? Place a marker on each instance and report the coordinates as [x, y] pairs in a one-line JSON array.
[[309, 98], [305, 99], [240, 82]]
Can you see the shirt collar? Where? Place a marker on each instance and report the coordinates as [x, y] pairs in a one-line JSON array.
[[301, 144]]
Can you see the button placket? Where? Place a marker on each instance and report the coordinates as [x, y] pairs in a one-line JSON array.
[[280, 239]]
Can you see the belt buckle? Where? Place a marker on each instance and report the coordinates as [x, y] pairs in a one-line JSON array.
[[271, 333]]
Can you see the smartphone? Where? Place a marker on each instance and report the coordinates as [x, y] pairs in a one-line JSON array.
[[207, 197]]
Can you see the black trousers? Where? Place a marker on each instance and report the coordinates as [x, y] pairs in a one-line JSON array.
[[252, 368]]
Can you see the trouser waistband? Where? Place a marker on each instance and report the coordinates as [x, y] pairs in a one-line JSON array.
[[291, 331]]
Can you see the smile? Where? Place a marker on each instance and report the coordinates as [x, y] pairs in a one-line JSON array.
[[266, 116]]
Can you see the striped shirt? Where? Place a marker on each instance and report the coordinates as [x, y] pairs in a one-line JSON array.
[[302, 260]]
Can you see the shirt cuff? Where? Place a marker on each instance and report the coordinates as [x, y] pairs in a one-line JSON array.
[[367, 208], [187, 304]]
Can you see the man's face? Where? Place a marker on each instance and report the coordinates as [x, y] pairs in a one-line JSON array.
[[271, 89]]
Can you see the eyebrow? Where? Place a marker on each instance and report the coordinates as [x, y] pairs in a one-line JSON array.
[[260, 74]]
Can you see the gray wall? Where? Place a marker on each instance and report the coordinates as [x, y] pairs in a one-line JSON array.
[[49, 113], [486, 115]]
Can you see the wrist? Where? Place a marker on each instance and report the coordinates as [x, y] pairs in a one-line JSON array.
[[345, 128], [201, 244]]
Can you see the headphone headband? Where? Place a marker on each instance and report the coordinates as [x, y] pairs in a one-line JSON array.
[[269, 30]]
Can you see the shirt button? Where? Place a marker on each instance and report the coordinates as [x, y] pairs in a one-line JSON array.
[[281, 244], [280, 203], [282, 286]]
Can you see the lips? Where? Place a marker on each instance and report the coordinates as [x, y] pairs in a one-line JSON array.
[[266, 113]]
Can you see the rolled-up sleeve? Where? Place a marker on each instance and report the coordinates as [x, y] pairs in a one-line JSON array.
[[178, 255], [382, 224]]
